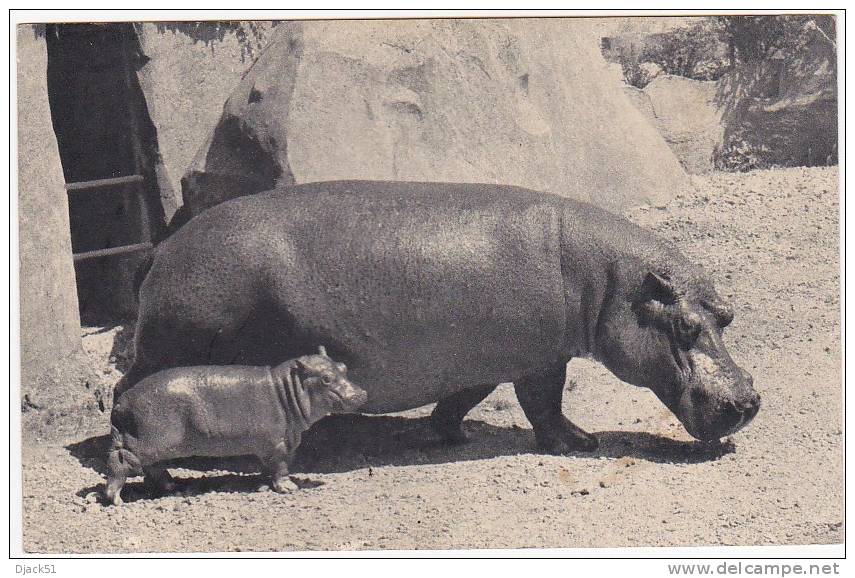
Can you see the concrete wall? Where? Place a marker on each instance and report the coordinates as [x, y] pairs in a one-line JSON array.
[[50, 324]]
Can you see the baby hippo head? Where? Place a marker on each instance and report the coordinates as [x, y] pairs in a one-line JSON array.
[[321, 387]]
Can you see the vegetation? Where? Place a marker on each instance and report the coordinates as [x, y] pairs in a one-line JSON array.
[[751, 39], [250, 34]]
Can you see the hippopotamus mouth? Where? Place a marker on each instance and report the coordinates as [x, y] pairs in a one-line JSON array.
[[708, 419], [348, 403]]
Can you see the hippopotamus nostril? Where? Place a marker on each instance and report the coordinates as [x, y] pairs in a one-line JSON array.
[[753, 407]]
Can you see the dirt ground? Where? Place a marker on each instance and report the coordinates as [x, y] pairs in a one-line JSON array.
[[770, 240]]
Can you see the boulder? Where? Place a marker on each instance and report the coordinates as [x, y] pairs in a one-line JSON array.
[[512, 101], [189, 71], [687, 116], [782, 111], [55, 377], [50, 324]]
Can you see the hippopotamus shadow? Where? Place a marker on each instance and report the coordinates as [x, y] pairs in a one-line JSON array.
[[349, 442], [342, 443]]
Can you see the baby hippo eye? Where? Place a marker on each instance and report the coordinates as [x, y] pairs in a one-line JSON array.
[[327, 378]]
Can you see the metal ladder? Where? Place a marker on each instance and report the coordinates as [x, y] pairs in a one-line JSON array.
[[136, 181]]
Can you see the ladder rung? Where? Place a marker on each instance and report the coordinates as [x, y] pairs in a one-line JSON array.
[[102, 183], [112, 251]]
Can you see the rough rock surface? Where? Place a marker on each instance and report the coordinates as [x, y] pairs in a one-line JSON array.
[[50, 323], [782, 111], [686, 114], [517, 102], [769, 239], [186, 80]]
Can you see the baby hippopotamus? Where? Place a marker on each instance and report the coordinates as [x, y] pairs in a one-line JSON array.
[[219, 411]]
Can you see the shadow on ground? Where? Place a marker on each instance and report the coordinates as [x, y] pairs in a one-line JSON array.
[[345, 443]]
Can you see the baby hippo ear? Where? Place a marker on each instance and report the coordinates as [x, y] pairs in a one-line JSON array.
[[322, 350], [300, 364]]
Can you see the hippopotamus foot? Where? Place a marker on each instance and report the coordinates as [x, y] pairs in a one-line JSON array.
[[284, 485], [447, 416], [540, 398], [277, 465]]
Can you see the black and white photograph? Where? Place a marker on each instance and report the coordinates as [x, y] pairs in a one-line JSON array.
[[437, 284]]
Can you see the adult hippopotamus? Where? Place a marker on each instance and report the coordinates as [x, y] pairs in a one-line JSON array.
[[437, 292]]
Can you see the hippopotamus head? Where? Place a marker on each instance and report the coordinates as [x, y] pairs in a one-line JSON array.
[[322, 386], [667, 336]]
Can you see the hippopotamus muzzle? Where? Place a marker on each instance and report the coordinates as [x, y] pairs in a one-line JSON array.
[[709, 416]]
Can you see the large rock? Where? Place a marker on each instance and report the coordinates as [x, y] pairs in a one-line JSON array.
[[50, 325], [688, 117], [190, 70], [53, 366], [782, 111], [521, 102]]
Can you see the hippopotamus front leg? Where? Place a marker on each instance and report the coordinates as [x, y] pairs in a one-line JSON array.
[[540, 398], [447, 416], [277, 464]]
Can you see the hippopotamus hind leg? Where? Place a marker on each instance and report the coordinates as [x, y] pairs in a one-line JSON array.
[[447, 416], [540, 398]]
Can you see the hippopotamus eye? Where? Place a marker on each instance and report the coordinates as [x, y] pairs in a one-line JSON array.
[[688, 327], [327, 378]]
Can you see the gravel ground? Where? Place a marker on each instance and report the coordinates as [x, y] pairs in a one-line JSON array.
[[770, 240]]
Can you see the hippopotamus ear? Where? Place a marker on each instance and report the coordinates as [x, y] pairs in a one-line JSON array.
[[658, 287], [322, 351]]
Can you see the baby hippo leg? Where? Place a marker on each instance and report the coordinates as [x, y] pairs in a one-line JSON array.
[[277, 464]]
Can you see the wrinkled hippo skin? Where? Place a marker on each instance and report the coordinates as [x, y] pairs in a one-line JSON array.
[[437, 292], [218, 411]]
